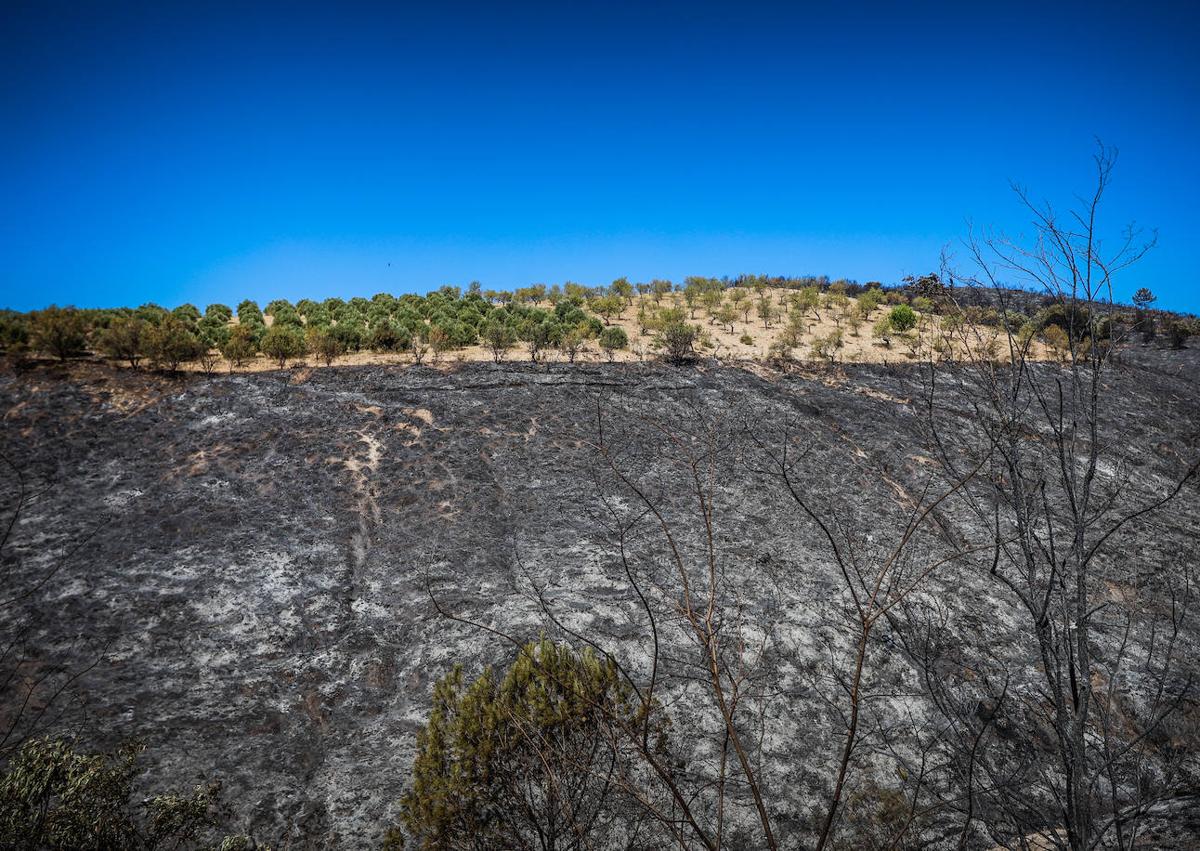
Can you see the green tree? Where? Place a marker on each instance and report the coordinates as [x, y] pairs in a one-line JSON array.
[[171, 343], [712, 299], [809, 298], [240, 346], [767, 312], [741, 302], [726, 315], [322, 342], [622, 289], [499, 337], [533, 759], [417, 343], [540, 334], [608, 307], [124, 339], [282, 342], [58, 331], [1143, 298], [793, 333], [612, 340], [883, 331], [677, 339], [439, 341], [53, 796], [574, 341]]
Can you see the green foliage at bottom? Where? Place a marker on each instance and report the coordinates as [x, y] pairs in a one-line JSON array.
[[53, 796], [531, 759]]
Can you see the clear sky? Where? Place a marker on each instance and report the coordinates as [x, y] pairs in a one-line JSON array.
[[172, 152]]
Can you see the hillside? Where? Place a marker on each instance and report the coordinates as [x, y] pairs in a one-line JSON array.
[[244, 564]]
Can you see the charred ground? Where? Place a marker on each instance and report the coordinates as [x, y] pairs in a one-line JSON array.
[[244, 563]]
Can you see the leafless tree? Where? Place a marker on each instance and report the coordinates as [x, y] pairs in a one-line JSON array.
[[1076, 766]]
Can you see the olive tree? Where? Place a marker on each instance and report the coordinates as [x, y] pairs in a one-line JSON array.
[[499, 337], [58, 331], [282, 343], [240, 346], [124, 339], [612, 340], [172, 343]]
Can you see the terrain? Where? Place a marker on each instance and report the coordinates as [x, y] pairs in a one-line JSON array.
[[242, 569]]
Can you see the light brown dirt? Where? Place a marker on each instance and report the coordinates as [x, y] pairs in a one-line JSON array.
[[717, 341]]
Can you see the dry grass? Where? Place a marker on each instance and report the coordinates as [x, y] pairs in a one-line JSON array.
[[717, 341]]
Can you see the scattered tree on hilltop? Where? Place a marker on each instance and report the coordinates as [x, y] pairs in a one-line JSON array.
[[240, 345], [124, 339], [58, 331], [499, 338], [171, 343], [281, 343]]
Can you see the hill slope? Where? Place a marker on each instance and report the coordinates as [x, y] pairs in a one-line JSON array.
[[256, 552]]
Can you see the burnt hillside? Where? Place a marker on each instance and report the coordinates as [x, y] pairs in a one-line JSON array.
[[243, 564]]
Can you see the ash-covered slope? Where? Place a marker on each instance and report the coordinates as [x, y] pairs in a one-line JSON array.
[[249, 558]]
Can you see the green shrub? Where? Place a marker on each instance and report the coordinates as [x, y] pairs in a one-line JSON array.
[[213, 329], [189, 314], [1177, 330], [1073, 319], [351, 333], [677, 339], [613, 339], [574, 340], [828, 346], [387, 336], [902, 318], [152, 313], [780, 351], [540, 334], [58, 331], [248, 311], [53, 796], [883, 331], [14, 333]]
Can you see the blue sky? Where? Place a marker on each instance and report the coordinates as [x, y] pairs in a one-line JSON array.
[[170, 152]]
